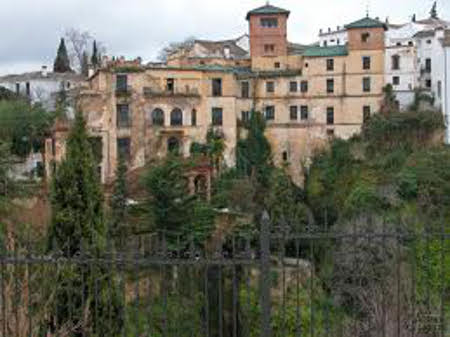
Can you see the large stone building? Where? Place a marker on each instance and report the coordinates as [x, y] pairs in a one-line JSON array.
[[306, 93]]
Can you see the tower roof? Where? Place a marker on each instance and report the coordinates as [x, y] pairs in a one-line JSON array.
[[366, 23], [267, 9]]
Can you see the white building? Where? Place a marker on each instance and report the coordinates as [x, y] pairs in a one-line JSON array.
[[414, 57], [41, 86]]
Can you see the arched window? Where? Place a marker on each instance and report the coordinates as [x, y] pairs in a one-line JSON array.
[[173, 146], [158, 117], [176, 117]]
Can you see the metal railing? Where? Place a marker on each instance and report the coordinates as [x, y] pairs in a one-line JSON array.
[[368, 280]]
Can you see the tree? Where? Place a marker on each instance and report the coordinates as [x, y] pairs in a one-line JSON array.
[[62, 62], [389, 103], [85, 64], [119, 205], [170, 203], [176, 47], [78, 43], [77, 227], [254, 156], [433, 11], [95, 57]]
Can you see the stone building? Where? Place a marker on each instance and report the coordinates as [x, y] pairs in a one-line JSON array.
[[414, 56], [306, 93]]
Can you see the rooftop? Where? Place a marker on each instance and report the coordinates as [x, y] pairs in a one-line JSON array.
[[39, 75], [366, 22], [316, 51], [267, 9]]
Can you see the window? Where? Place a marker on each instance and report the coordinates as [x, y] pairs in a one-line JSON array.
[[217, 87], [365, 37], [330, 115], [123, 116], [428, 83], [304, 112], [245, 90], [325, 43], [28, 89], [285, 156], [121, 82], [17, 88], [428, 41], [395, 62], [293, 86], [245, 116], [366, 113], [123, 148], [269, 22], [399, 44], [330, 86], [396, 80], [366, 62], [439, 89], [293, 109], [428, 65], [173, 145], [330, 133], [410, 43], [304, 86], [176, 117], [217, 116], [158, 117], [194, 117], [330, 64], [338, 42], [277, 65], [269, 48], [270, 112], [366, 84], [270, 86], [170, 85]]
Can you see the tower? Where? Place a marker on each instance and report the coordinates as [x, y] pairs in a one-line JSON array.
[[268, 31]]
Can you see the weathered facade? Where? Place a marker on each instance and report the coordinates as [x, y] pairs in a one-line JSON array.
[[306, 93]]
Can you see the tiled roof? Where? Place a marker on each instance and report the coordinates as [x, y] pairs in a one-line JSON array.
[[296, 48], [366, 23], [424, 33], [267, 9], [217, 47], [326, 51]]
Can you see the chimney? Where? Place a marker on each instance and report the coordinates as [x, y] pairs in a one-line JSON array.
[[338, 28], [320, 31], [329, 30], [44, 71]]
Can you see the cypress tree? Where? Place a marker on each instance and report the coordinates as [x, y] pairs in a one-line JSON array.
[[62, 62], [95, 58], [76, 196], [77, 228], [433, 12], [119, 207], [85, 64]]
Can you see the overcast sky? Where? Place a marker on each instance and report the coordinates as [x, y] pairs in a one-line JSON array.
[[30, 29]]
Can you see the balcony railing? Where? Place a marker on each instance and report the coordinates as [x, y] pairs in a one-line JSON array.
[[123, 90], [180, 92]]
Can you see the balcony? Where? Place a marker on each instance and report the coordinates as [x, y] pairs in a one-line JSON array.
[[123, 91], [178, 92]]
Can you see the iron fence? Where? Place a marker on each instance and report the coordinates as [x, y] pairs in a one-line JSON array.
[[369, 281]]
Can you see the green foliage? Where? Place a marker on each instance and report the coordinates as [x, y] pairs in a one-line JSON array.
[[78, 227], [172, 208], [254, 153], [95, 61], [62, 61], [119, 205], [213, 149], [76, 196], [24, 126]]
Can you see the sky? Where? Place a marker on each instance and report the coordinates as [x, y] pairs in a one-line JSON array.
[[30, 29]]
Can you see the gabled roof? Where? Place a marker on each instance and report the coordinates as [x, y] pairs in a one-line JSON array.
[[326, 51], [267, 9], [366, 23]]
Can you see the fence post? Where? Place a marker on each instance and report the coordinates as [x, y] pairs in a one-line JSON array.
[[266, 330]]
